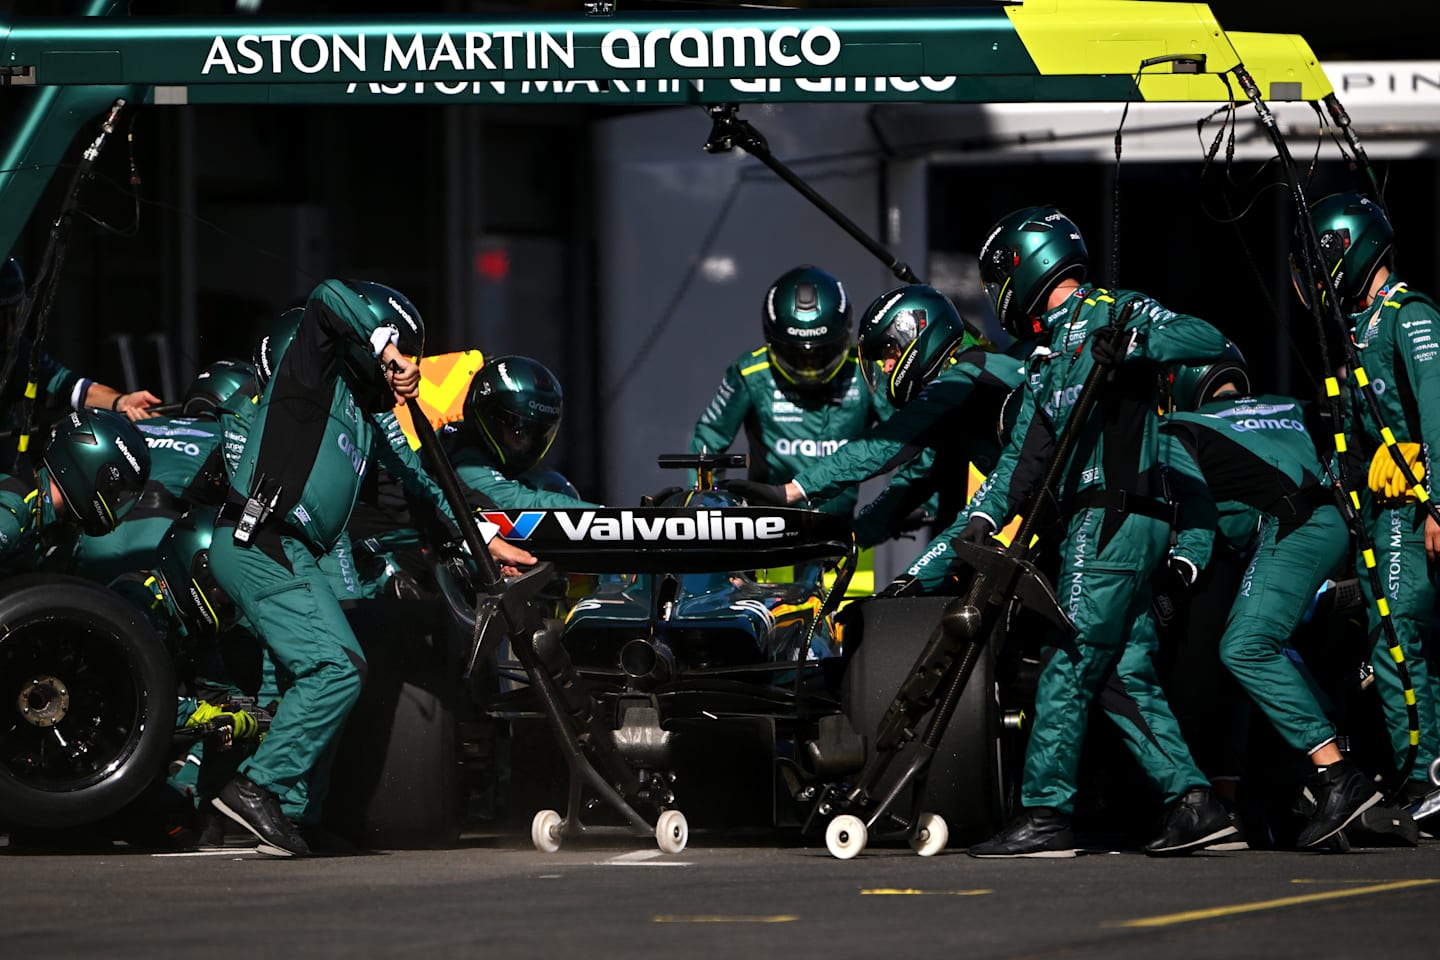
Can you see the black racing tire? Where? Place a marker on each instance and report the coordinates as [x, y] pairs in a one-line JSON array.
[[397, 782], [965, 782], [87, 702]]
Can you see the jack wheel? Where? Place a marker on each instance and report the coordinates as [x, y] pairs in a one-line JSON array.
[[845, 837], [1434, 772], [545, 831], [672, 831], [930, 835]]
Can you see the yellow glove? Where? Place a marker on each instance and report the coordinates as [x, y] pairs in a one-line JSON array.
[[232, 725], [1386, 478]]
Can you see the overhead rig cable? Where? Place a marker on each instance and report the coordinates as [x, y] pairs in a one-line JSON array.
[[1312, 264]]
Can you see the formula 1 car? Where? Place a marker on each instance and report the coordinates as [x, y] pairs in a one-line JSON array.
[[728, 696]]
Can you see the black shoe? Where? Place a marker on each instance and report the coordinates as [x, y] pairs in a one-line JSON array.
[[1342, 792], [258, 810], [1384, 826], [1036, 832], [212, 834], [1194, 821], [1238, 841]]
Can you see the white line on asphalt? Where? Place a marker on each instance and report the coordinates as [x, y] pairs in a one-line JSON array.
[[232, 852], [635, 856], [640, 858]]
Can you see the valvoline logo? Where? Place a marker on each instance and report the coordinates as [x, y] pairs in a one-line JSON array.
[[516, 528]]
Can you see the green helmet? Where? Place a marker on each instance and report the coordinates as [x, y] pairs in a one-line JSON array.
[[273, 344], [912, 330], [217, 383], [1192, 384], [806, 317], [513, 412], [1356, 240], [100, 462], [363, 371], [1023, 257], [551, 480], [183, 562]]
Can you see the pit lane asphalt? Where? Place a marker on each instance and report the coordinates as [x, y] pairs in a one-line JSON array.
[[770, 896]]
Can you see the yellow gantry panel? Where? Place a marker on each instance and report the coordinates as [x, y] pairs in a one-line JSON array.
[[1099, 37]]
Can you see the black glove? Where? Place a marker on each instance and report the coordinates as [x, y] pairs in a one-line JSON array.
[[1172, 583], [1110, 344], [914, 520], [755, 493], [652, 499], [977, 530], [902, 586]]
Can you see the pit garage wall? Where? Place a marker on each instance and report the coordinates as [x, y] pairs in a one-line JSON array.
[[689, 242], [680, 277]]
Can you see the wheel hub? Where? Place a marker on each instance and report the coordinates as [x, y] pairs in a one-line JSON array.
[[44, 701]]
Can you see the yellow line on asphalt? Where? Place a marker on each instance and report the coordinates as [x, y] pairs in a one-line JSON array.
[[672, 918], [912, 892], [1347, 880], [1165, 920]]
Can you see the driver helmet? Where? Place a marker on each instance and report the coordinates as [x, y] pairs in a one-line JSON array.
[[100, 462], [906, 335], [541, 478], [806, 316], [513, 412], [1024, 256]]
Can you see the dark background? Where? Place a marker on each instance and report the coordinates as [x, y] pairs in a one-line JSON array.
[[278, 194]]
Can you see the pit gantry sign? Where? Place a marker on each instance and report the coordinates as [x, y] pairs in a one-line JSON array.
[[77, 67]]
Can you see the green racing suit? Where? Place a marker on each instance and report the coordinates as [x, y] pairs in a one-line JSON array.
[[953, 423], [1257, 454], [28, 540], [788, 429], [56, 385], [308, 448], [1112, 494], [184, 470], [1398, 341]]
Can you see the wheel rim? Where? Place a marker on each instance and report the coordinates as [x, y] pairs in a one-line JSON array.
[[545, 831], [845, 836], [72, 707], [672, 831], [931, 835]]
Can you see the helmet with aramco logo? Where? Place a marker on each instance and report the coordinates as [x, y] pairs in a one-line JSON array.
[[513, 412], [806, 316]]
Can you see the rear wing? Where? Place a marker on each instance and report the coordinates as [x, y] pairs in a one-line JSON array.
[[675, 539]]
